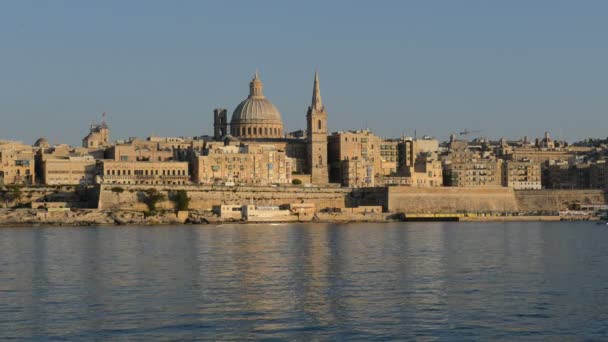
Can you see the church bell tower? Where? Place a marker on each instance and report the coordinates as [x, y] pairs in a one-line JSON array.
[[316, 120]]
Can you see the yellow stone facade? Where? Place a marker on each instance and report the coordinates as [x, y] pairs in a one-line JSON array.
[[242, 164], [70, 170], [17, 164], [145, 172]]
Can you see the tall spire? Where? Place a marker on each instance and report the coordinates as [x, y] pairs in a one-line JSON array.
[[317, 102], [256, 86]]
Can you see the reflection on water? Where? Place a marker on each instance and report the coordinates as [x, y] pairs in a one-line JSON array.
[[303, 282]]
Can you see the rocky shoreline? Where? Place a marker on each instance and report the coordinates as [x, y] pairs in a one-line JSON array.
[[94, 217]]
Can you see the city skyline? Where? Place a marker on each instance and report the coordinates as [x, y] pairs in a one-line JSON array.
[[434, 68]]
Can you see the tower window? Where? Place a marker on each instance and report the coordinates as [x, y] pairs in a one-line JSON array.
[[319, 124]]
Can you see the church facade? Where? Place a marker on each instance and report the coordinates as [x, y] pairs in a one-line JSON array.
[[256, 120]]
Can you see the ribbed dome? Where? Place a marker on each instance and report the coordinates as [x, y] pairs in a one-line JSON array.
[[256, 108]]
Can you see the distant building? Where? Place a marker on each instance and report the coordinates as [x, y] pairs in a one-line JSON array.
[[357, 172], [464, 168], [141, 150], [241, 164], [17, 164], [362, 146], [68, 170], [99, 135], [598, 175], [144, 172], [522, 175]]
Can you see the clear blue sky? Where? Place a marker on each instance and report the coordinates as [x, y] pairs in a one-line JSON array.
[[509, 68]]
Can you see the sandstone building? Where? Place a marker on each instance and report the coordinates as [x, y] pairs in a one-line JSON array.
[[69, 170], [522, 175], [99, 135], [241, 164], [144, 172], [17, 164]]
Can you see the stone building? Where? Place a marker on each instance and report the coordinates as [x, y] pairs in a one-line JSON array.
[[427, 170], [357, 172], [257, 121], [143, 172], [140, 150], [17, 164], [409, 149], [575, 175], [598, 175], [241, 164], [522, 175], [463, 168], [68, 170], [361, 145], [99, 135], [389, 156]]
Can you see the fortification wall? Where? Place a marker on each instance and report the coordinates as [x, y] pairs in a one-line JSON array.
[[392, 199], [556, 200], [205, 197], [81, 197], [450, 200]]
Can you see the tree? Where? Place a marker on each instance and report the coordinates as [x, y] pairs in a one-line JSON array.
[[151, 198], [12, 194], [181, 199], [117, 190]]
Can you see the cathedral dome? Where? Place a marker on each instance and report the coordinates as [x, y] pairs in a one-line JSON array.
[[256, 116], [258, 110]]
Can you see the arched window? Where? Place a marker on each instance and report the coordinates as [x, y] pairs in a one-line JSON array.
[[243, 133], [266, 131], [255, 130], [319, 124], [249, 130]]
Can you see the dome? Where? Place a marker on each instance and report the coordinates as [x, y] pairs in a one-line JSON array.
[[42, 142], [256, 117], [258, 110]]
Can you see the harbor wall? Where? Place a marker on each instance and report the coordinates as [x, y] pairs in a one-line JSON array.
[[206, 197], [392, 199], [421, 200]]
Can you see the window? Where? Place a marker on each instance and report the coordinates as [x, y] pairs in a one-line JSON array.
[[319, 124]]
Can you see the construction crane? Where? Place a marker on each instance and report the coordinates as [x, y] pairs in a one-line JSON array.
[[469, 131]]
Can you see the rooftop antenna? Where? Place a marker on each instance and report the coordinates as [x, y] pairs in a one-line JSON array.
[[103, 117], [415, 135]]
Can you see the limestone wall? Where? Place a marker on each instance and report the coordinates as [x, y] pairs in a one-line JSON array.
[[73, 195], [205, 197], [392, 199], [450, 200], [556, 200]]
